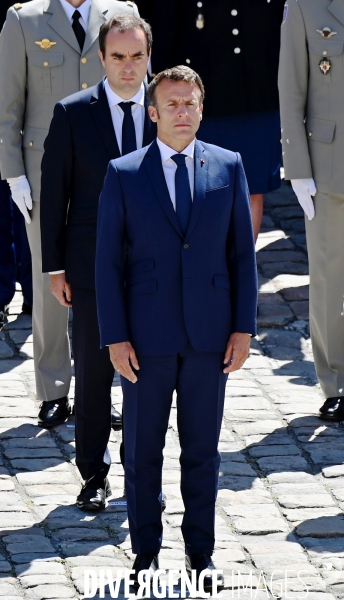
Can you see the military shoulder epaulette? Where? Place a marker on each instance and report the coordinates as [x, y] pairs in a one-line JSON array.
[[17, 6], [130, 3]]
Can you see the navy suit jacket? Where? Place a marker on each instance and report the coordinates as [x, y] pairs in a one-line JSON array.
[[158, 288], [78, 148]]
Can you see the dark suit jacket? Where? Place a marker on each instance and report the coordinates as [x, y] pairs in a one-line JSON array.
[[78, 148], [168, 288], [234, 83]]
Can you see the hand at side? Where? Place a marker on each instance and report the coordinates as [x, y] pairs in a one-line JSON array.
[[123, 358], [61, 289], [238, 349]]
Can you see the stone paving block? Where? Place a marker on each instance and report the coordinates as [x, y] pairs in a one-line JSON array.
[[285, 489], [88, 549], [262, 545], [7, 590], [238, 483], [15, 453], [283, 463], [278, 560], [30, 443], [29, 581], [291, 477], [5, 350], [43, 464], [275, 315], [249, 415], [51, 489], [273, 439], [256, 428], [334, 471], [271, 451], [47, 592], [81, 533], [300, 308], [322, 527], [26, 557], [302, 514], [244, 497], [252, 511], [263, 525], [306, 500], [40, 567], [55, 499], [50, 477], [10, 430]]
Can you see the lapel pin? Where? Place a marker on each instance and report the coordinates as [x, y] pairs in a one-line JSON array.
[[46, 44], [202, 161], [326, 32]]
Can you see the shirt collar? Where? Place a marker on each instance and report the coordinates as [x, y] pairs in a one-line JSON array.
[[84, 9], [114, 99], [166, 151]]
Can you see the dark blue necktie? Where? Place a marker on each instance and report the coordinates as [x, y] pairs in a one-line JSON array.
[[183, 192], [128, 129]]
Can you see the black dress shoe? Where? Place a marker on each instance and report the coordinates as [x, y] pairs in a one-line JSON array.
[[116, 419], [145, 562], [199, 562], [333, 409], [54, 412], [93, 494], [3, 314]]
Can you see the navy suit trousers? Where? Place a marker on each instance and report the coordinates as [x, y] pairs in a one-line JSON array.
[[93, 379], [200, 384]]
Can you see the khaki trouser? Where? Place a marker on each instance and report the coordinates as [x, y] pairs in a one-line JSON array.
[[50, 325], [325, 242]]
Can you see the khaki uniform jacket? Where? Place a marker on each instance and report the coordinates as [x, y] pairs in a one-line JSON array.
[[33, 80], [312, 103]]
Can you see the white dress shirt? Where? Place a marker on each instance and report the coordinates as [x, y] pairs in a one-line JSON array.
[[84, 10], [170, 167], [117, 114]]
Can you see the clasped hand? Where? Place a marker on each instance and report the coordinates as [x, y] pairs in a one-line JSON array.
[[238, 349]]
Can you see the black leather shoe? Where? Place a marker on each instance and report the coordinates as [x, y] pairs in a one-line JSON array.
[[116, 419], [93, 494], [54, 412], [199, 562], [333, 409], [145, 562], [3, 314]]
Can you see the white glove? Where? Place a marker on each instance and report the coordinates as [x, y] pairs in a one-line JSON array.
[[304, 190], [21, 195]]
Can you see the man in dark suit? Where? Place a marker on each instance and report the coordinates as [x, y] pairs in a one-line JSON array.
[[177, 309], [88, 129]]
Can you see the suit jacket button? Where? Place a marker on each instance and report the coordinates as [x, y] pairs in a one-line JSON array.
[[186, 246], [84, 60], [84, 86]]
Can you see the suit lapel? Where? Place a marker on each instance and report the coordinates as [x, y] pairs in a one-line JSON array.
[[59, 23], [149, 128], [336, 7], [157, 177], [98, 12], [201, 160], [102, 116]]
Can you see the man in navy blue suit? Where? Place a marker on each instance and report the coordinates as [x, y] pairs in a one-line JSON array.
[[176, 293], [88, 130]]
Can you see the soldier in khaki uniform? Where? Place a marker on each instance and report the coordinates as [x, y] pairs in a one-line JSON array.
[[48, 50], [311, 84]]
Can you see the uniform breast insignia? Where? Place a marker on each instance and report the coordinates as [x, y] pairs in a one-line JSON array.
[[325, 66], [326, 32], [17, 6], [46, 44], [200, 21]]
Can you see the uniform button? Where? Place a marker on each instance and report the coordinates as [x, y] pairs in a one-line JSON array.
[[235, 31], [46, 64], [186, 246], [324, 52], [234, 12], [199, 4], [84, 86], [84, 60], [310, 134], [237, 50], [31, 144], [188, 61]]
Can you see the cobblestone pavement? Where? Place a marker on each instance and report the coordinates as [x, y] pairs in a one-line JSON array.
[[281, 494]]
